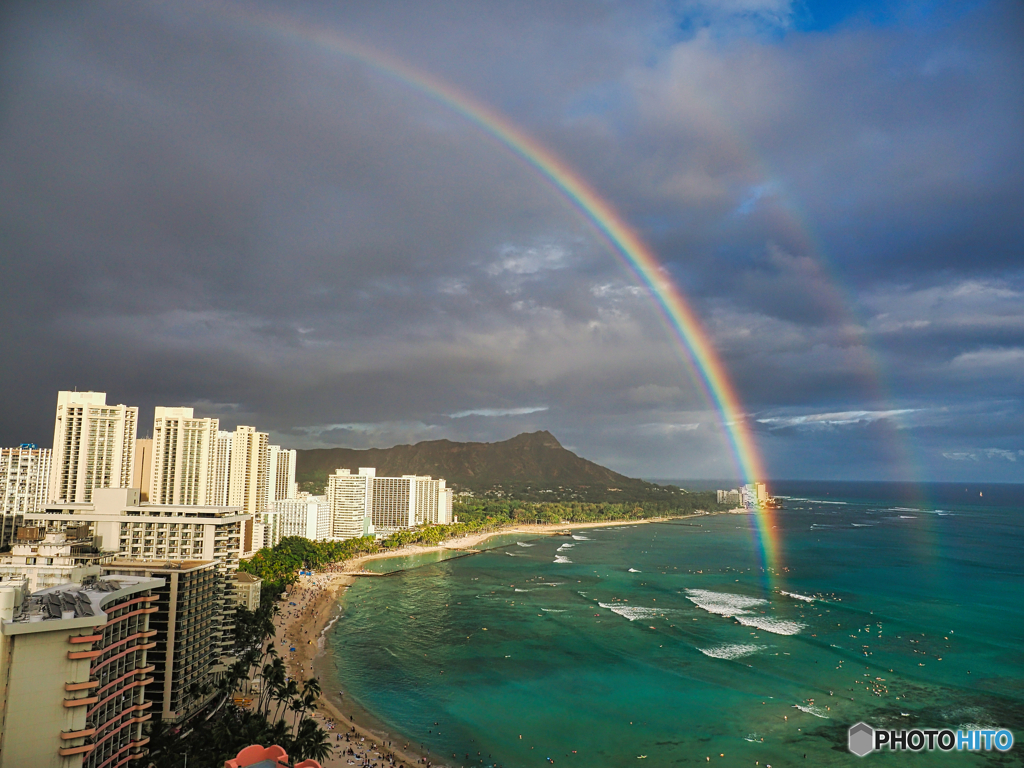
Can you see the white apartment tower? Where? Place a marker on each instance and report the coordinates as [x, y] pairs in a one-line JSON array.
[[184, 458], [247, 486], [221, 480], [350, 498], [24, 479], [93, 446], [280, 474], [306, 516]]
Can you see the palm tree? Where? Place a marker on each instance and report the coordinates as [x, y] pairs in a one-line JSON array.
[[311, 743]]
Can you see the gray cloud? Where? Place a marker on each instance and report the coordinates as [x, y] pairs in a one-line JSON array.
[[196, 208]]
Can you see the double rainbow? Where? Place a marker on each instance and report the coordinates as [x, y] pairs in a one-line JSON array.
[[686, 330]]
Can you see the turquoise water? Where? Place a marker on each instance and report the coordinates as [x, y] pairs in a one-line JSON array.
[[899, 616]]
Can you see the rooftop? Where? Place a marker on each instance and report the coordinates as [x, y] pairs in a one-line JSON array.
[[160, 565], [74, 601]]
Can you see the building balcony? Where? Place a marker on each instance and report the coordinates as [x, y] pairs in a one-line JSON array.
[[84, 638], [70, 687], [68, 735], [82, 750], [70, 703], [75, 655]]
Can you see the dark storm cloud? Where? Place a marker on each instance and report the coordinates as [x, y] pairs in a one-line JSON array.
[[198, 209]]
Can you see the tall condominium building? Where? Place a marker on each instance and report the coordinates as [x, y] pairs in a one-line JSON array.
[[24, 478], [221, 481], [184, 456], [350, 498], [143, 466], [247, 485], [73, 659], [185, 644], [93, 446], [306, 516], [408, 501], [24, 485], [388, 503], [280, 474]]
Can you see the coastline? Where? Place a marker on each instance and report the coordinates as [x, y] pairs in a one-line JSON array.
[[318, 601]]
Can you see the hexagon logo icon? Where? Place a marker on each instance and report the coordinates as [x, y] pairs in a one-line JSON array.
[[861, 739]]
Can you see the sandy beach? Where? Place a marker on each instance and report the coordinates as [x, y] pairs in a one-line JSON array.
[[313, 603]]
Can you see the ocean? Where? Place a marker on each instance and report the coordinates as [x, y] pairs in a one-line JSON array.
[[668, 643]]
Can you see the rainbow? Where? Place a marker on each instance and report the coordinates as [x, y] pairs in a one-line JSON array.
[[683, 324]]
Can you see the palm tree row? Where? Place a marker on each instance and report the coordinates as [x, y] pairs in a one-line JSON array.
[[226, 728]]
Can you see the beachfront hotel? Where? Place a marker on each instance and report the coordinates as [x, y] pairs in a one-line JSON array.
[[185, 644], [306, 516], [385, 504], [73, 659]]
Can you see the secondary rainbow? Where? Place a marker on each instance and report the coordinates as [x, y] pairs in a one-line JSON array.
[[624, 242]]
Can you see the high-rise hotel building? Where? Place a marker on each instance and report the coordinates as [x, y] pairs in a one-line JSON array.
[[93, 446], [184, 456], [350, 497], [221, 474], [247, 486], [363, 502], [24, 485]]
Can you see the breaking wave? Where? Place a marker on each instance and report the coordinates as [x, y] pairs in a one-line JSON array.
[[795, 596], [722, 603], [562, 559], [813, 710], [735, 651], [768, 624], [631, 612]]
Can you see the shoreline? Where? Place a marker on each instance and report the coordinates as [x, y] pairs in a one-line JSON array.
[[318, 601]]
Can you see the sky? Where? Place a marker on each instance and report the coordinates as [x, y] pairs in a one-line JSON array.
[[217, 205]]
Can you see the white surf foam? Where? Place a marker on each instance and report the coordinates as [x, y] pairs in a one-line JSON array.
[[580, 538], [631, 612], [562, 559], [523, 590], [768, 624], [513, 554], [633, 570], [794, 595], [722, 603], [521, 544], [564, 547], [813, 710], [734, 651], [553, 610]]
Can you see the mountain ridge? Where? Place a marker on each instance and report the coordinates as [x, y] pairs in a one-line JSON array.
[[534, 459]]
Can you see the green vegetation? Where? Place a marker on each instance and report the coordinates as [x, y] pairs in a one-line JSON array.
[[507, 511], [280, 566], [278, 713]]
